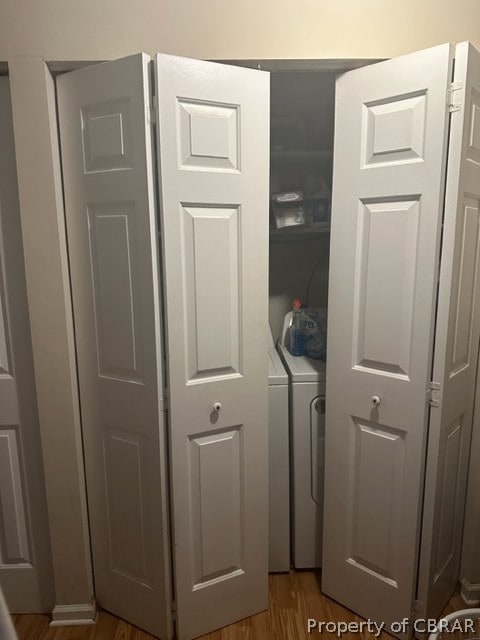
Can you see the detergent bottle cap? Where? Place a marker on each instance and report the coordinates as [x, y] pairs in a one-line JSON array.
[[297, 304]]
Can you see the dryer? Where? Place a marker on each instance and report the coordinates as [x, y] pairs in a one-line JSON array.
[[307, 440]]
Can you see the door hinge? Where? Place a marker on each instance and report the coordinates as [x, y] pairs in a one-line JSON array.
[[433, 394], [452, 104], [174, 610], [164, 403], [152, 111]]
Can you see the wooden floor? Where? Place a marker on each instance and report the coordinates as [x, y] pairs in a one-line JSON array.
[[294, 598]]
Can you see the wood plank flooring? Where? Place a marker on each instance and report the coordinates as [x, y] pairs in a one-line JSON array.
[[294, 598]]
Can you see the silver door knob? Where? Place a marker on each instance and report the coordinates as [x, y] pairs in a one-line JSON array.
[[217, 406], [376, 400]]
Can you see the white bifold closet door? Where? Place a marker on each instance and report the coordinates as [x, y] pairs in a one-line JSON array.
[[174, 422], [456, 345], [402, 297], [25, 560], [213, 133], [112, 243]]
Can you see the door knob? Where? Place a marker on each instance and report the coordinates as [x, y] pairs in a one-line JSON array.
[[376, 400], [217, 406]]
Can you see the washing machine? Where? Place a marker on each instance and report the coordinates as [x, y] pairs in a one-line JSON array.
[[307, 440], [278, 470]]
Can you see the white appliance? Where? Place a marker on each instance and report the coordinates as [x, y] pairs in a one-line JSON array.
[[307, 441], [278, 459]]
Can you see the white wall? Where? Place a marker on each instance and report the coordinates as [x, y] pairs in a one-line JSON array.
[[102, 29]]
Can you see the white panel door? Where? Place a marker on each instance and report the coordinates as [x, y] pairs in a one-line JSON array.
[[25, 562], [213, 128], [112, 240], [390, 152], [456, 345]]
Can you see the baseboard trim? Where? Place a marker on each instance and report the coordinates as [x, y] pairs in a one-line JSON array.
[[64, 615], [470, 592]]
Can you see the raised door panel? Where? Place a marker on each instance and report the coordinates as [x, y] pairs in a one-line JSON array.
[[216, 486], [463, 286], [448, 488], [385, 288], [115, 290], [124, 483], [107, 136], [208, 135], [394, 130], [377, 477], [14, 533], [211, 251], [4, 359]]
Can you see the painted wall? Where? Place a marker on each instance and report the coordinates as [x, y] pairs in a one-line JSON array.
[[102, 29]]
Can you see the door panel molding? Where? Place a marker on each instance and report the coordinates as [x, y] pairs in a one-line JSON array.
[[14, 530]]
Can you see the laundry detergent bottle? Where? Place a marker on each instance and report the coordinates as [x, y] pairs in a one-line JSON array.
[[297, 337]]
